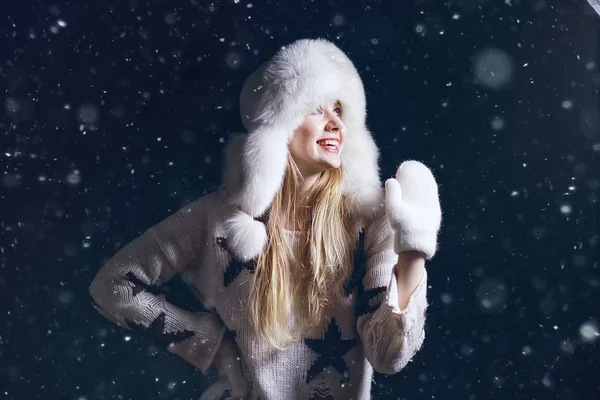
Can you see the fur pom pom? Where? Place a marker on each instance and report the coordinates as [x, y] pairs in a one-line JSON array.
[[246, 237]]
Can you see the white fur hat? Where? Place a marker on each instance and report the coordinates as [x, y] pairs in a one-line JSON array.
[[273, 103]]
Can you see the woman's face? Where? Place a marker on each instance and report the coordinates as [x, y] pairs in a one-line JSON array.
[[318, 142]]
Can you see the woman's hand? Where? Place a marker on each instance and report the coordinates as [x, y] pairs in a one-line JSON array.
[[229, 365], [413, 209]]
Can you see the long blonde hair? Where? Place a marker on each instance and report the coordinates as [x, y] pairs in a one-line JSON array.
[[277, 291]]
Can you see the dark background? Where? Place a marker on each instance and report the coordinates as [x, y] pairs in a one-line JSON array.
[[115, 113]]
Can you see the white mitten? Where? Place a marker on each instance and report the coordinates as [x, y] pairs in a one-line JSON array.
[[413, 208]]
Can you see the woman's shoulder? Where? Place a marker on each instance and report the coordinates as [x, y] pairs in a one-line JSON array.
[[365, 218], [210, 203], [213, 207]]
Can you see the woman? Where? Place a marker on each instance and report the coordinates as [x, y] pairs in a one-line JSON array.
[[315, 276]]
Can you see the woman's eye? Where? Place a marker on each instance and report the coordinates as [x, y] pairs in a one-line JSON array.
[[338, 111]]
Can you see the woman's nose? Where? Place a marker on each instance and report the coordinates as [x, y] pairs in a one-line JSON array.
[[334, 124]]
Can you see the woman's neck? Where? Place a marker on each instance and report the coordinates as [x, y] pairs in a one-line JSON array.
[[299, 222], [304, 186]]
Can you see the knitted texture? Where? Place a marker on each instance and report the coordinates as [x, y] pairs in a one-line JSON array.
[[363, 330]]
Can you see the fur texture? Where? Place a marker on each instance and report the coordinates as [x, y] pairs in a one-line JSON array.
[[245, 235], [273, 103], [413, 208]]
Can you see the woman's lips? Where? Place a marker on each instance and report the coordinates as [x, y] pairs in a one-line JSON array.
[[330, 149], [329, 145]]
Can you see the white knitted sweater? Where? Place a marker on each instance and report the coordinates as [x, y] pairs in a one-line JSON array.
[[364, 330]]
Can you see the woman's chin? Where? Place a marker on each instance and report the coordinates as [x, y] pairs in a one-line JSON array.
[[327, 162], [332, 164]]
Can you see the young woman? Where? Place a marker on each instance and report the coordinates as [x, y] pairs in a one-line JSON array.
[[312, 276]]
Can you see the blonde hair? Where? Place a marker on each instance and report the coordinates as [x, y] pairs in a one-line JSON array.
[[277, 291]]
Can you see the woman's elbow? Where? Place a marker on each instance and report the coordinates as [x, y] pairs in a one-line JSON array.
[[397, 356], [104, 298], [99, 290]]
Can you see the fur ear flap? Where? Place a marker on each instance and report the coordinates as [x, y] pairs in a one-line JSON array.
[[246, 237], [264, 163], [232, 173]]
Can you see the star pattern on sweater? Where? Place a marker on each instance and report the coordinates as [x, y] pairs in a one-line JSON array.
[[156, 329], [235, 266], [366, 302], [230, 334], [176, 291], [359, 265], [139, 286], [330, 349]]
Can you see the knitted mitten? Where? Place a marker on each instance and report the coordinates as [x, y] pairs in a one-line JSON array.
[[413, 208]]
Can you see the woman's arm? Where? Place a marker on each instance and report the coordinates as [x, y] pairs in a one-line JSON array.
[[122, 289], [392, 309], [409, 270]]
